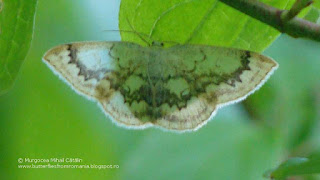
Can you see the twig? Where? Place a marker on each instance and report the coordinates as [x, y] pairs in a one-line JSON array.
[[295, 9], [293, 26]]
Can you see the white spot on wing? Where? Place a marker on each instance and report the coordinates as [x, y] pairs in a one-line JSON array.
[[96, 59]]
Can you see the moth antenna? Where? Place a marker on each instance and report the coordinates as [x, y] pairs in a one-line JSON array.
[[128, 31], [134, 31]]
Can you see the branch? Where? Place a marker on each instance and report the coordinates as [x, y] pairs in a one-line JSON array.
[[274, 17], [295, 9]]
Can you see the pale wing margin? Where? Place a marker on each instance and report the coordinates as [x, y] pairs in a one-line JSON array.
[[199, 111], [68, 61], [261, 68], [83, 66]]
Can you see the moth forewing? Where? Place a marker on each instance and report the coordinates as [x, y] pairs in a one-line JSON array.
[[81, 65], [261, 68], [177, 88]]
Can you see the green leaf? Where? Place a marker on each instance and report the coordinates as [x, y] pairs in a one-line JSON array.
[[313, 15], [296, 166], [316, 4], [16, 29], [221, 25], [176, 20], [207, 22]]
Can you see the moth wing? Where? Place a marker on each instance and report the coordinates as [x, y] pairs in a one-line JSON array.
[[85, 66], [192, 117], [81, 65], [260, 69], [225, 76]]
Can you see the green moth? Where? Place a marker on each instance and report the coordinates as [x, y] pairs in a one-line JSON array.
[[177, 88]]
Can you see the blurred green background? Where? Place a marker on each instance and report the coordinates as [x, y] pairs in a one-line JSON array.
[[41, 117]]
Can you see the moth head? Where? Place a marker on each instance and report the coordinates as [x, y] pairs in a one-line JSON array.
[[158, 44]]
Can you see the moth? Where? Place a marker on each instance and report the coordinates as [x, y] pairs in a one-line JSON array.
[[178, 88]]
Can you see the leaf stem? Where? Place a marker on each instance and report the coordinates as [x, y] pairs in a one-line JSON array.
[[272, 16], [295, 9]]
